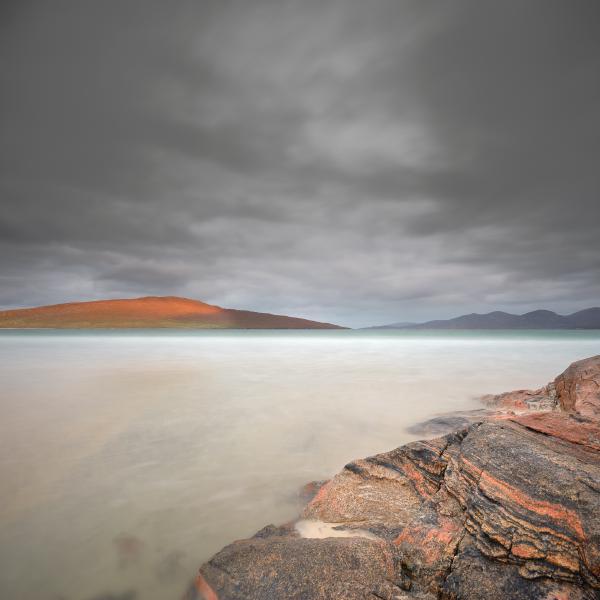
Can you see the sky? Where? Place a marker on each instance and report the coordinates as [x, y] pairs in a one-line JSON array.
[[346, 161]]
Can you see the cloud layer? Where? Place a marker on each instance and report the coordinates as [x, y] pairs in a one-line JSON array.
[[345, 161]]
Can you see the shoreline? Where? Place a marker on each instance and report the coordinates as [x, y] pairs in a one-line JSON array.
[[506, 505]]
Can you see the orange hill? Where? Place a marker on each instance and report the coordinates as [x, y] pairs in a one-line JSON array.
[[149, 312]]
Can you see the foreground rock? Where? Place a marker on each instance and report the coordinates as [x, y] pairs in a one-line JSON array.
[[506, 507]]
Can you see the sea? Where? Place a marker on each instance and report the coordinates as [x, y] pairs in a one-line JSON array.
[[128, 458]]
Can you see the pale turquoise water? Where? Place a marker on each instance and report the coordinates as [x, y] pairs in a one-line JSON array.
[[127, 458]]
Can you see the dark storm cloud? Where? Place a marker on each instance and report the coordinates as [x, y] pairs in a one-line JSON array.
[[346, 161]]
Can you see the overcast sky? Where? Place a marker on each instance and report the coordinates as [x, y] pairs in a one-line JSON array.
[[359, 162]]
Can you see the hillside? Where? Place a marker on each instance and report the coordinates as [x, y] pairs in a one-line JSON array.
[[537, 319], [149, 312]]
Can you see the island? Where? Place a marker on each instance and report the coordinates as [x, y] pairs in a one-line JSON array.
[[150, 312]]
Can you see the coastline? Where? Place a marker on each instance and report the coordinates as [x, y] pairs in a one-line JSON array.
[[504, 506]]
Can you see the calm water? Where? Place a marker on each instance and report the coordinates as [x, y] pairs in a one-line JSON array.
[[128, 458]]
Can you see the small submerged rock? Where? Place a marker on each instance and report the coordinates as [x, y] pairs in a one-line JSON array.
[[129, 550], [446, 423]]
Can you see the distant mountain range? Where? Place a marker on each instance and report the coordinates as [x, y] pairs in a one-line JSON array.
[[400, 325], [537, 319], [149, 312]]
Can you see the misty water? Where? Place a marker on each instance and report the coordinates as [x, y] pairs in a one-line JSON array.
[[128, 458]]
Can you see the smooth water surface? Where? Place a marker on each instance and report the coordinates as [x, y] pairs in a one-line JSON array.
[[128, 458]]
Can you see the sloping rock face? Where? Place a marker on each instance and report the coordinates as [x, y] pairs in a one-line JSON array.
[[578, 388], [503, 508]]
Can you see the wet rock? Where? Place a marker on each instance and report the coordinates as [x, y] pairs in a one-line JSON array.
[[505, 507], [309, 490], [449, 422]]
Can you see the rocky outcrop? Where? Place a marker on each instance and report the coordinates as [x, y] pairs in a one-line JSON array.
[[578, 388], [520, 401], [506, 507]]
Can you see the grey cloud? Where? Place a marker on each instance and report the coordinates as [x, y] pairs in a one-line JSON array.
[[345, 161]]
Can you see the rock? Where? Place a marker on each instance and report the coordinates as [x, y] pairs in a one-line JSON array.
[[520, 401], [575, 390], [309, 490], [529, 499], [129, 549], [505, 507], [447, 423], [476, 577], [293, 567], [578, 388], [571, 428]]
